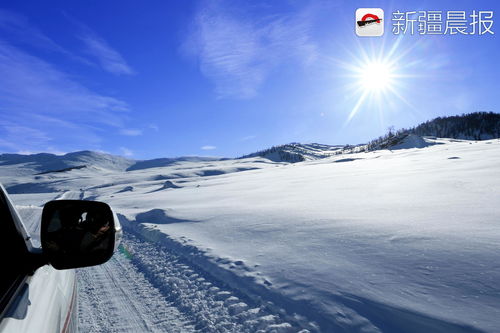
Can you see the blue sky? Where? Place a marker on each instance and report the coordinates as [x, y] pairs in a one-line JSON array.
[[151, 79]]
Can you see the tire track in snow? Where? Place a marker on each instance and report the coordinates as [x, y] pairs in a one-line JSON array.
[[116, 297], [146, 288], [209, 303]]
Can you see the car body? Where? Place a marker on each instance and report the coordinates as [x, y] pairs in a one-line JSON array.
[[46, 303], [34, 296]]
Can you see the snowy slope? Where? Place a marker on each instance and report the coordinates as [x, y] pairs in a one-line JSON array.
[[411, 141], [163, 162], [297, 152], [44, 163], [19, 165], [401, 240]]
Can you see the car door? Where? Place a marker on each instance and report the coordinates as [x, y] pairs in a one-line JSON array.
[[32, 299], [14, 255]]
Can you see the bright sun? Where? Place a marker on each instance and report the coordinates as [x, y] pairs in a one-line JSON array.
[[376, 80], [375, 77]]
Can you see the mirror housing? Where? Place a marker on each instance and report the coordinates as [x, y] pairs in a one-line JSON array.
[[78, 233]]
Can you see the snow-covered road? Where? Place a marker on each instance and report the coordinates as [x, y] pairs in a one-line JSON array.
[[145, 288], [116, 297]]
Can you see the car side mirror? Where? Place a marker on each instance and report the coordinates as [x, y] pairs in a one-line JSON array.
[[78, 233]]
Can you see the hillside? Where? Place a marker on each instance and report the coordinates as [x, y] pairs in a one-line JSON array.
[[45, 163], [471, 126], [17, 164], [297, 152], [163, 162]]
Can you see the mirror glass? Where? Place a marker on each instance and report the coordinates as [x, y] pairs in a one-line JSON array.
[[77, 233]]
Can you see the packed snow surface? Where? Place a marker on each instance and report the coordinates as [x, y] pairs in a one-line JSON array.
[[402, 240]]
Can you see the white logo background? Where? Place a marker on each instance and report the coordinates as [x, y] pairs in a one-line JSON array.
[[372, 29]]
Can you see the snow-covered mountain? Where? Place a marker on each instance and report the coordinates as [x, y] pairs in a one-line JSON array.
[[17, 164], [45, 163], [297, 152], [472, 126]]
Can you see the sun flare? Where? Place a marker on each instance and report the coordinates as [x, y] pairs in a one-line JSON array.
[[376, 77]]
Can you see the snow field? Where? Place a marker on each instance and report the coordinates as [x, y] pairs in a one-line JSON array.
[[386, 241]]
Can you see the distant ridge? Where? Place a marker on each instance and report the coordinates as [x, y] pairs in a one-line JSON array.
[[471, 126], [297, 152], [45, 163]]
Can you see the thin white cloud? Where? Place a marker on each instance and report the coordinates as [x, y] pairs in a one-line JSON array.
[[21, 31], [126, 152], [49, 150], [21, 138], [154, 127], [109, 59], [30, 83], [131, 132], [237, 50], [208, 148], [19, 26], [248, 137], [40, 102], [16, 136], [97, 47]]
